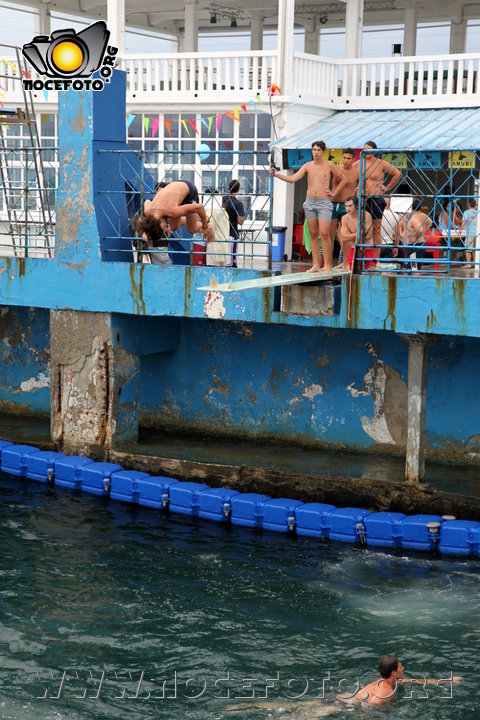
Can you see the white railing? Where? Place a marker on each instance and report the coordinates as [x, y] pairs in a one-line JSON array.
[[232, 77], [199, 76], [448, 81]]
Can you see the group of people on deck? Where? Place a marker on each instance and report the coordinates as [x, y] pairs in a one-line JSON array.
[[331, 210]]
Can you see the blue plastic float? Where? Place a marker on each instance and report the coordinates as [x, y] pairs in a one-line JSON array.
[[430, 533]]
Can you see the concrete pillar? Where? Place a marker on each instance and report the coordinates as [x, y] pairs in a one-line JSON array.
[[458, 35], [116, 24], [410, 29], [353, 29], [42, 20], [256, 30], [190, 43], [417, 409], [94, 383], [286, 17]]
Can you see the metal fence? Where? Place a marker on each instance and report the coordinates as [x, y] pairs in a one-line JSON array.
[[130, 177], [429, 223]]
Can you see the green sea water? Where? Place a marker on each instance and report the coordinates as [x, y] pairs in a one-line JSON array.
[[114, 611]]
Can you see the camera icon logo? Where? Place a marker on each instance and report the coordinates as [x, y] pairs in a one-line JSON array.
[[67, 54]]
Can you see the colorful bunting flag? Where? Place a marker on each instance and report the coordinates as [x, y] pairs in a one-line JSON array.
[[130, 119], [186, 127], [45, 95], [155, 124], [167, 125], [244, 107], [259, 99], [146, 124], [210, 120], [254, 106], [235, 112], [219, 121], [204, 122], [192, 123]]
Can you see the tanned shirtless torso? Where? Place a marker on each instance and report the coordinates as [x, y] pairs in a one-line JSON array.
[[318, 204]]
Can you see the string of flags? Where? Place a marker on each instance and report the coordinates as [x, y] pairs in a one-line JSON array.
[[190, 124]]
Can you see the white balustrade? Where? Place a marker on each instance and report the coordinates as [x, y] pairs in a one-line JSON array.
[[448, 81], [232, 77]]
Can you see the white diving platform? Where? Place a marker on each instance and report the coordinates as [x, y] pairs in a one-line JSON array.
[[273, 281]]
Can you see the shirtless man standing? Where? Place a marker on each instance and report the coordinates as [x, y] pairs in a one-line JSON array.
[[375, 171], [342, 189], [318, 205], [177, 204], [349, 229]]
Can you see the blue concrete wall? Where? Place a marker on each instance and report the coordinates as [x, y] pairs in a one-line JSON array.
[[309, 385], [24, 358]]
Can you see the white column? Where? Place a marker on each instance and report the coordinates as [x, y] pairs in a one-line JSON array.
[[353, 29], [311, 39], [410, 29], [191, 27], [458, 35], [256, 30], [116, 24], [42, 24], [283, 203], [286, 17]]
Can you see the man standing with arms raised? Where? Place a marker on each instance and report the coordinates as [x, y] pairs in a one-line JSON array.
[[318, 205]]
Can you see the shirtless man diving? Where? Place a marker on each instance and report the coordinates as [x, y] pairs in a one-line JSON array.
[[376, 171], [318, 205], [175, 205]]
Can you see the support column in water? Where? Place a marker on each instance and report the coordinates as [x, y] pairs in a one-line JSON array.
[[94, 382], [417, 408]]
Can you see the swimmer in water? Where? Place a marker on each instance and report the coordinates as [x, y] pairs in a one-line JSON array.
[[378, 692]]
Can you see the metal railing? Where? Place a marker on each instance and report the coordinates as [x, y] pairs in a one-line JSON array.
[[130, 178], [433, 222]]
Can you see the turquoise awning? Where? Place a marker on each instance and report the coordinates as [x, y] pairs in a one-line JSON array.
[[443, 129]]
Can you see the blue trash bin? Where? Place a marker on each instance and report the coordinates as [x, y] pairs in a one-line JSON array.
[[278, 243]]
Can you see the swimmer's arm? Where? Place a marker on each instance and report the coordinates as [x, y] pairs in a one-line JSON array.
[[455, 679]]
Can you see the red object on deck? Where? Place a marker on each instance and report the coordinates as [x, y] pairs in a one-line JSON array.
[[199, 250], [367, 253], [297, 242], [433, 239]]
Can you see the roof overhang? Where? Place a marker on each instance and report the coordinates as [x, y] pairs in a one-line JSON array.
[[442, 129]]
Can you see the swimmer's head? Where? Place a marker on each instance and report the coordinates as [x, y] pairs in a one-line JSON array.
[[152, 228], [389, 664]]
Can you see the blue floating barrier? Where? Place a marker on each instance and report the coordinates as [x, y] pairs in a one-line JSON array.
[[126, 485], [41, 465], [4, 444], [96, 477], [247, 509], [68, 471], [279, 514], [313, 519], [459, 537], [382, 529], [184, 497], [216, 504], [346, 524], [420, 532], [155, 491], [14, 459]]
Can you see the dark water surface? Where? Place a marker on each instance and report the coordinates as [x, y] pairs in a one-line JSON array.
[[90, 587]]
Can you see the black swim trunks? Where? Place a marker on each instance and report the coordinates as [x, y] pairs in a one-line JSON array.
[[192, 197], [375, 205]]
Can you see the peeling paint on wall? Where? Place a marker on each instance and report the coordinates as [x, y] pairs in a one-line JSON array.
[[312, 391], [213, 307], [41, 381], [387, 425]]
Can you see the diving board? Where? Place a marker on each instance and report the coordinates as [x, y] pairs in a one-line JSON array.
[[273, 281]]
